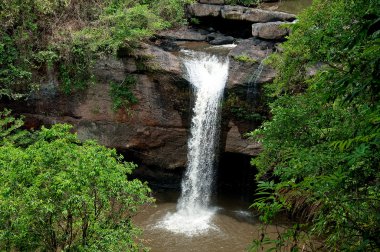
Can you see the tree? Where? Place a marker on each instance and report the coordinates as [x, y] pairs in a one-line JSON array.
[[58, 193], [322, 145]]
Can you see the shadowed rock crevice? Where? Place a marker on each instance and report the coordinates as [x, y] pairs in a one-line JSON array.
[[234, 28], [235, 176]]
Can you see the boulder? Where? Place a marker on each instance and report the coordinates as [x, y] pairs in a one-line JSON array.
[[183, 34], [254, 15], [204, 10], [219, 39], [271, 30]]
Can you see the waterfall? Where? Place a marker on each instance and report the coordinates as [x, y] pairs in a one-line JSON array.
[[207, 75], [252, 90]]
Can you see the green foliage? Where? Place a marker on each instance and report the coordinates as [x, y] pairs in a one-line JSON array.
[[322, 145], [10, 128], [58, 193], [39, 37], [74, 73], [244, 58], [121, 93], [121, 25], [32, 44], [172, 11]]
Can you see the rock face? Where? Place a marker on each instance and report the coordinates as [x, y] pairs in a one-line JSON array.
[[235, 143], [271, 30], [240, 73], [235, 12], [154, 132]]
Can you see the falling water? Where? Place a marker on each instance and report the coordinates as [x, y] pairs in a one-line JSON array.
[[208, 75], [252, 90]]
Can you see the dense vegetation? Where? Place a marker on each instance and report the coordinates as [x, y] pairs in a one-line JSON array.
[[58, 193], [321, 158], [39, 38]]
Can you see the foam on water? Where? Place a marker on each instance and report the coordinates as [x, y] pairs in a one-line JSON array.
[[188, 223]]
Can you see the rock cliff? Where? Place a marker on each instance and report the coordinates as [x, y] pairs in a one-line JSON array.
[[154, 131]]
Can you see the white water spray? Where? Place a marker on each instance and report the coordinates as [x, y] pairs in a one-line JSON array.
[[208, 76]]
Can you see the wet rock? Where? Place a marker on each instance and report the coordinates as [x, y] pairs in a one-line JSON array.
[[271, 30], [220, 39]]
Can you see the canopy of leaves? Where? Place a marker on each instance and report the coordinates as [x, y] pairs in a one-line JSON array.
[[57, 193], [321, 157]]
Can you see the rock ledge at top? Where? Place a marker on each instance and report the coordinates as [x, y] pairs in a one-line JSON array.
[[242, 13]]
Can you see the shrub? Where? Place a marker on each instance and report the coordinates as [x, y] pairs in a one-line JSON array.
[[62, 194]]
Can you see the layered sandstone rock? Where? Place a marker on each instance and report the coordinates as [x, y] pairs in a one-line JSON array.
[[236, 12]]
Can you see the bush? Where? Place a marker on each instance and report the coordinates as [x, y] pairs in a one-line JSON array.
[[61, 194]]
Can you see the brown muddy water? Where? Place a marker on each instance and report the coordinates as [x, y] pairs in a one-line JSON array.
[[234, 227]]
